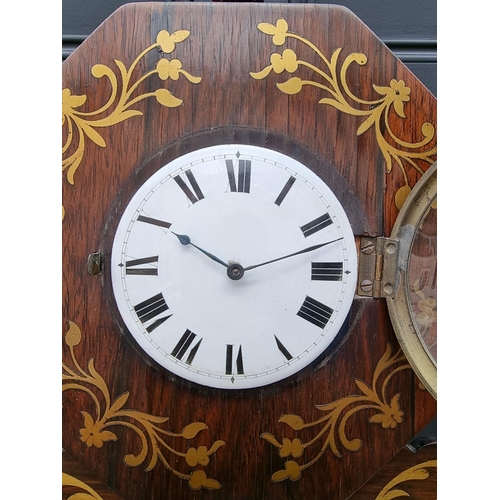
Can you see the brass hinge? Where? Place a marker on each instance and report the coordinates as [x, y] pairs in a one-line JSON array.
[[378, 258]]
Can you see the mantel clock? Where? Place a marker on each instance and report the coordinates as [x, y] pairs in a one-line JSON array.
[[244, 248]]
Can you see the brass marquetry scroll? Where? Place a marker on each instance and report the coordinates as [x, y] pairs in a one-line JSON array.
[[331, 428], [333, 83], [155, 439], [125, 94], [88, 492], [417, 472]]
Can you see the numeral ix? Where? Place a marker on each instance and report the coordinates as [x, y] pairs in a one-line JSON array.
[[131, 266]]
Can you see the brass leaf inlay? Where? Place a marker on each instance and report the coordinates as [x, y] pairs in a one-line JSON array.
[[331, 434], [96, 428], [333, 81], [417, 472], [90, 494], [81, 125]]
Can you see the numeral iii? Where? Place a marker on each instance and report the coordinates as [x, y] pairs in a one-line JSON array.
[[327, 271]]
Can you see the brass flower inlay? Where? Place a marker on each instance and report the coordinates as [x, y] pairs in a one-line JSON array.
[[332, 426], [375, 113], [81, 125], [95, 431]]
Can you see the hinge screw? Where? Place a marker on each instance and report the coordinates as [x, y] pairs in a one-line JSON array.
[[368, 248], [366, 285]]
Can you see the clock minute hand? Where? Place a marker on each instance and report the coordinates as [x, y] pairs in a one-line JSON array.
[[186, 240], [305, 250]]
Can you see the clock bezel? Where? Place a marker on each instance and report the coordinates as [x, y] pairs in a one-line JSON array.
[[405, 229], [320, 167]]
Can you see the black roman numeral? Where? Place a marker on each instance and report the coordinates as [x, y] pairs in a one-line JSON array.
[[315, 312], [193, 197], [327, 271], [285, 190], [229, 361], [130, 266], [155, 222], [316, 225], [183, 345], [283, 349], [244, 174], [151, 308]]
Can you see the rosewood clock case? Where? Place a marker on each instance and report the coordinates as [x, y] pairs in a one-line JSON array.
[[158, 80]]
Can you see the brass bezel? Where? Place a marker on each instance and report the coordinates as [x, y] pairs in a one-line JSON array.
[[405, 228]]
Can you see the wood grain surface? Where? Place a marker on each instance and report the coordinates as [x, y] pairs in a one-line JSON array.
[[228, 105], [413, 473]]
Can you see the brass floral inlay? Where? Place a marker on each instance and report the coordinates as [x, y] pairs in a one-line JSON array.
[[334, 83], [417, 472], [96, 428], [331, 432], [81, 125], [90, 494]]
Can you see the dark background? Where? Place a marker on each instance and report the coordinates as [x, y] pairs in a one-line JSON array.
[[407, 27]]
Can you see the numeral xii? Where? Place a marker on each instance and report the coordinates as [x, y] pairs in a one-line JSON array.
[[244, 175]]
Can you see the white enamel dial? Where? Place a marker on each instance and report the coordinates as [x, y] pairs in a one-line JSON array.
[[234, 266]]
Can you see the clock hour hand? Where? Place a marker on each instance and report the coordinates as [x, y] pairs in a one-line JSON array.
[[186, 240], [305, 250]]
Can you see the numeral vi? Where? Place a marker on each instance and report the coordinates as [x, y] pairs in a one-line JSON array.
[[229, 360]]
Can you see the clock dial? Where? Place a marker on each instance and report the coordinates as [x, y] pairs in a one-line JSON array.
[[248, 255]]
